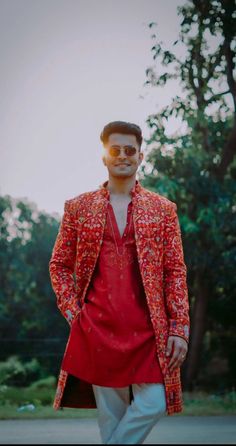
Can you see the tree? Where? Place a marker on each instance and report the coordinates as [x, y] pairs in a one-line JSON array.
[[30, 323], [196, 168]]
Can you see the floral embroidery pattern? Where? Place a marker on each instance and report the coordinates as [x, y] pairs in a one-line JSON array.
[[161, 262]]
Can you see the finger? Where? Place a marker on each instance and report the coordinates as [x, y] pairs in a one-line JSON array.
[[174, 360], [174, 351], [182, 356], [177, 361], [169, 346], [177, 357], [173, 366]]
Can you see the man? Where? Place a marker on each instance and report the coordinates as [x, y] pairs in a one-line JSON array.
[[128, 305]]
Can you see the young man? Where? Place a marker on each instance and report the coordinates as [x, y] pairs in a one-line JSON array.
[[128, 305]]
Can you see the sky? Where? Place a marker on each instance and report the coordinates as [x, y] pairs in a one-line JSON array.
[[67, 68]]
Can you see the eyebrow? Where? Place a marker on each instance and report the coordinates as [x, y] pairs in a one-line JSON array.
[[127, 145]]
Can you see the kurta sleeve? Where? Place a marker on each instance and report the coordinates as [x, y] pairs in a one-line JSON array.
[[62, 264], [175, 284]]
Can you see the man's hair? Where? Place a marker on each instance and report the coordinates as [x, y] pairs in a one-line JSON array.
[[127, 128]]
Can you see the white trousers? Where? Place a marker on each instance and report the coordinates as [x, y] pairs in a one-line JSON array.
[[122, 422]]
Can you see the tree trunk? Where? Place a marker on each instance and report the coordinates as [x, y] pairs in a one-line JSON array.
[[228, 154], [198, 327]]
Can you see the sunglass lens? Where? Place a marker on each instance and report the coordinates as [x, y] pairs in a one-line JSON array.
[[130, 151], [114, 151]]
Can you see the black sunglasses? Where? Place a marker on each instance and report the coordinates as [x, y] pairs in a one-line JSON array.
[[115, 151]]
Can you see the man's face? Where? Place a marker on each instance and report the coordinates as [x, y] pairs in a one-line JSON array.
[[117, 158]]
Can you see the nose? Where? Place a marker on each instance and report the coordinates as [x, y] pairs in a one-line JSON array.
[[122, 154]]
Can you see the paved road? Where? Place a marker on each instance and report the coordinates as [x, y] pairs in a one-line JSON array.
[[169, 430]]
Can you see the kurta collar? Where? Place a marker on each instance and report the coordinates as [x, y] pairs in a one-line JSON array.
[[134, 191]]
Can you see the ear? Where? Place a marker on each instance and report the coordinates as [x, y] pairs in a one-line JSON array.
[[104, 160], [140, 157]]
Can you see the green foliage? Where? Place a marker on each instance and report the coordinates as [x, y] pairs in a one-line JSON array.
[[45, 383], [15, 371], [30, 324], [202, 403], [195, 167]]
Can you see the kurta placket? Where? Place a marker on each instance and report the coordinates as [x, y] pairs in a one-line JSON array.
[[112, 342]]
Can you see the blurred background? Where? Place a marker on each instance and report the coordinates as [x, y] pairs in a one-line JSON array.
[[68, 67]]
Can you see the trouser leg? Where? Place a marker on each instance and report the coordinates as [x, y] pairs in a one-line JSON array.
[[124, 423], [147, 407], [112, 403]]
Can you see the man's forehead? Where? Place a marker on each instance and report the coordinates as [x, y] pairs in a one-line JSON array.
[[121, 138]]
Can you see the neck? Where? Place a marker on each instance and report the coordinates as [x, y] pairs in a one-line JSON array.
[[121, 186]]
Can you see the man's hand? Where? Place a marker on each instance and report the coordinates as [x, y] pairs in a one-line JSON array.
[[177, 349]]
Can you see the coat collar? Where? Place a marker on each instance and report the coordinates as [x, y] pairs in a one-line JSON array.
[[136, 190]]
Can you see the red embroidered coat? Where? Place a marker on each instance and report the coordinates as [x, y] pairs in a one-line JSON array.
[[162, 267]]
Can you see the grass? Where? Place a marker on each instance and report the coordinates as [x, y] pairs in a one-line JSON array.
[[202, 403], [41, 397], [12, 398], [9, 412]]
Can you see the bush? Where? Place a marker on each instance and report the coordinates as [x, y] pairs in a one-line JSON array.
[[44, 383], [14, 372]]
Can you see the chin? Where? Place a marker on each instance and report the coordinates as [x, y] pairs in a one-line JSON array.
[[118, 173], [122, 175]]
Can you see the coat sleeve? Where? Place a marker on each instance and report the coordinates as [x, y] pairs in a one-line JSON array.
[[62, 264], [175, 272]]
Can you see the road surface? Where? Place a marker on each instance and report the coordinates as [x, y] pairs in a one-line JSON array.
[[169, 430]]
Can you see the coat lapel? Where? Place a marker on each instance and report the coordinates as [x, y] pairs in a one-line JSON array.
[[91, 224], [149, 226]]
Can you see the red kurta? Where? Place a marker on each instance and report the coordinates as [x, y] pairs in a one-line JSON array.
[[112, 342]]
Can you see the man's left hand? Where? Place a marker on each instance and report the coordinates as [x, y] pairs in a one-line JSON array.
[[177, 349]]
